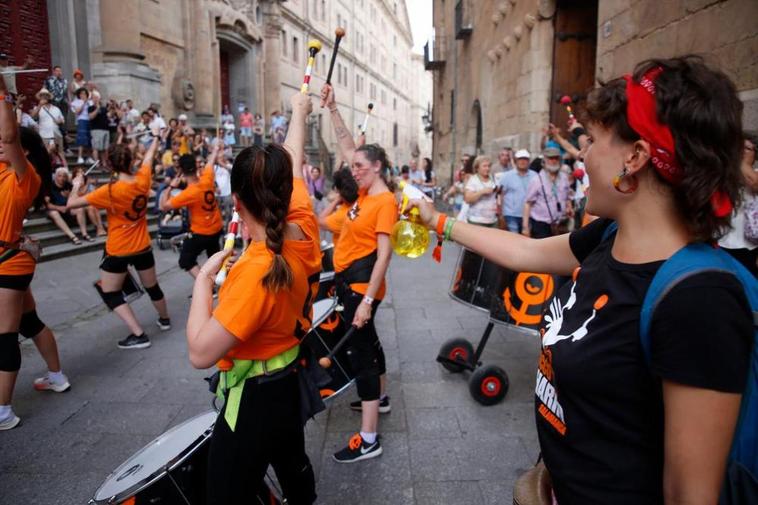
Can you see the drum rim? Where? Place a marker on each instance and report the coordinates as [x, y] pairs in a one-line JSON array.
[[341, 390], [328, 246], [151, 479], [317, 322]]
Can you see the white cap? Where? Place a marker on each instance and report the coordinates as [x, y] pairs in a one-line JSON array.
[[182, 117], [522, 153]]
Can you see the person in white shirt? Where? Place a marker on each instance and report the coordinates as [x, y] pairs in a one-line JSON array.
[[416, 175], [49, 117], [80, 108], [480, 192], [223, 186]]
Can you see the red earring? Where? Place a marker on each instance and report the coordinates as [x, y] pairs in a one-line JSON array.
[[633, 183]]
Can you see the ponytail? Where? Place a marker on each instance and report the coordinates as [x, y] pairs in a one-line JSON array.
[[38, 156], [262, 180]]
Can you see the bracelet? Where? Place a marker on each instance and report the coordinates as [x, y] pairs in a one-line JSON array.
[[441, 222], [368, 300], [449, 228], [333, 110], [6, 98]]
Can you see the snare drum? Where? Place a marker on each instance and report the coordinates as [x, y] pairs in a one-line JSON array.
[[326, 331], [478, 282], [169, 470]]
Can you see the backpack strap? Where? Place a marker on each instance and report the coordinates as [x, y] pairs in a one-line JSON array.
[[610, 231], [688, 261]]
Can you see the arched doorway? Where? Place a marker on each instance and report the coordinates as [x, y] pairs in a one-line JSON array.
[[474, 129], [238, 80]]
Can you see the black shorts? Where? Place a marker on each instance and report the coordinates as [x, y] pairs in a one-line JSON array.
[[16, 282], [366, 350], [118, 264], [67, 217], [194, 245]]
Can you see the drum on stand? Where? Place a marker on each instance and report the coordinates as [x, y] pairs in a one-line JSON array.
[[478, 282], [328, 327], [172, 469], [524, 299]]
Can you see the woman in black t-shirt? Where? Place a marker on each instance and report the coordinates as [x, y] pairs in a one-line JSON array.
[[664, 164]]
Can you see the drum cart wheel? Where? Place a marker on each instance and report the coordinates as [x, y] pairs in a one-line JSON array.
[[488, 384], [456, 354]]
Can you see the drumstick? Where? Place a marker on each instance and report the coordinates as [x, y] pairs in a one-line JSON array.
[[365, 120], [566, 100], [326, 361], [91, 168], [338, 34], [27, 71], [314, 46], [138, 134], [231, 236]]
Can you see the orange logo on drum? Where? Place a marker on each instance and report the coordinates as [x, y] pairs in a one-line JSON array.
[[331, 323], [531, 290], [457, 281]]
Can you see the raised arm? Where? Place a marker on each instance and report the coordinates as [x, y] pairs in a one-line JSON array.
[[150, 154], [295, 141], [10, 150], [218, 145], [344, 138]]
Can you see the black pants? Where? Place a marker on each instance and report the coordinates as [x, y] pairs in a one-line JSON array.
[[194, 245], [268, 431], [365, 349], [538, 229]]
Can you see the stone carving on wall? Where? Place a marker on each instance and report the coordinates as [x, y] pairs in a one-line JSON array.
[[183, 93], [237, 15]]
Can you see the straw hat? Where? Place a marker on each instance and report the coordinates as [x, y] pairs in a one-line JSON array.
[[43, 92]]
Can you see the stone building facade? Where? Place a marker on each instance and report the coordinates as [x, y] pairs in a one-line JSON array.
[[375, 65], [500, 67]]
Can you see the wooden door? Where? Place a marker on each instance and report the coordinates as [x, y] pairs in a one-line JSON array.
[[574, 50], [225, 93], [24, 32]]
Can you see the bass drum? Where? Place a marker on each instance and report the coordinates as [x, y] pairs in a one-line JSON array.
[[478, 282], [328, 327], [172, 469]]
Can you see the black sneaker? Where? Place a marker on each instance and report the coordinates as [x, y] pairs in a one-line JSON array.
[[164, 324], [384, 405], [134, 342], [357, 450]]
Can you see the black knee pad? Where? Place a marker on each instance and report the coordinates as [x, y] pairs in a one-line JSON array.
[[10, 352], [369, 387], [113, 299], [155, 293], [30, 324]]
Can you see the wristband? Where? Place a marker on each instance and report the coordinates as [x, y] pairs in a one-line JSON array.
[[449, 228], [6, 97], [368, 300], [441, 221]]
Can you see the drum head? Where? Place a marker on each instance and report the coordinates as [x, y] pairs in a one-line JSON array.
[[323, 309], [155, 459]]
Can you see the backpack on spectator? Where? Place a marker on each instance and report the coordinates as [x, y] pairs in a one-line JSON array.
[[741, 480]]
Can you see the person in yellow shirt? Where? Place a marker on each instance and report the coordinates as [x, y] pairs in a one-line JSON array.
[[253, 334], [199, 197]]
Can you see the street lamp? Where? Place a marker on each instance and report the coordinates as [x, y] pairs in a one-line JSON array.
[[427, 119]]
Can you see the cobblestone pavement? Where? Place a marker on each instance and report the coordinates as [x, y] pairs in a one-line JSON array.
[[440, 446]]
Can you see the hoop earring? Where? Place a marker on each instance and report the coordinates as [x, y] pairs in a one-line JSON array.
[[633, 183]]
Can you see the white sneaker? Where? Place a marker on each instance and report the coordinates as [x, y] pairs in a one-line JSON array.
[[45, 384], [9, 423], [80, 161], [90, 160]]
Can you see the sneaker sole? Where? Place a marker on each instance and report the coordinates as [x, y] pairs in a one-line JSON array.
[[163, 327], [10, 425], [372, 454], [55, 389], [136, 346]]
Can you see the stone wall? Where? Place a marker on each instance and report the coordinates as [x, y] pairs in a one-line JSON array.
[[725, 32]]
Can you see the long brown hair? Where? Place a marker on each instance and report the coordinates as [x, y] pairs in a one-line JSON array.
[[374, 153], [262, 180]]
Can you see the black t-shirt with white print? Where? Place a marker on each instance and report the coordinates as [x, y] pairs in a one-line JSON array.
[[599, 405]]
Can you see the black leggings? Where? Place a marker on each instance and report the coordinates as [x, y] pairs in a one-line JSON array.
[[268, 431]]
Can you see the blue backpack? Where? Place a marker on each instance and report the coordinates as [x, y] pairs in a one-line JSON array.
[[742, 467]]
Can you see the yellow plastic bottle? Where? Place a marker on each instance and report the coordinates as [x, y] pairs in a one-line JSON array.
[[409, 237]]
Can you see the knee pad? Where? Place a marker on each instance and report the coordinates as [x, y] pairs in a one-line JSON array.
[[113, 299], [155, 292], [369, 387], [30, 325], [10, 352]]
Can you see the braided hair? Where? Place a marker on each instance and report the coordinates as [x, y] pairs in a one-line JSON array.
[[262, 180], [374, 153], [38, 156]]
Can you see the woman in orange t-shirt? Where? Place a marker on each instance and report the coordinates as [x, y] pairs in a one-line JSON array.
[[199, 197], [361, 259], [263, 311], [333, 216], [20, 188], [125, 202]]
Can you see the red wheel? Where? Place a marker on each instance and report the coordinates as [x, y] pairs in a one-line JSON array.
[[456, 350], [489, 384]]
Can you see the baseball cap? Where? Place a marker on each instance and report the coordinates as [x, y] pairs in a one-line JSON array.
[[551, 152], [522, 153], [182, 117], [3, 56]]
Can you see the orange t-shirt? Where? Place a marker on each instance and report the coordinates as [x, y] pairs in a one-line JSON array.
[[369, 216], [16, 196], [335, 220], [266, 323], [200, 199], [125, 203]]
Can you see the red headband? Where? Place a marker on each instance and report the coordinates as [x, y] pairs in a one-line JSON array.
[[642, 115]]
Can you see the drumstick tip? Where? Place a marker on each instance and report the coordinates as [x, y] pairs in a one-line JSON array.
[[325, 362], [370, 105], [340, 32]]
